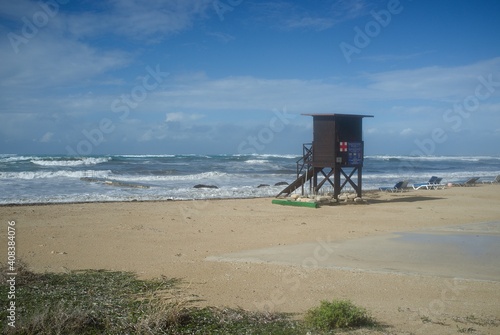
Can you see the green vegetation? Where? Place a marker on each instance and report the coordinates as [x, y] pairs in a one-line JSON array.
[[338, 314], [79, 302], [110, 302]]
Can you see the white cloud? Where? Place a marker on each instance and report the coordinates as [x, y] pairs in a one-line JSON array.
[[46, 137], [48, 61], [251, 93], [407, 132], [61, 50], [371, 130], [174, 117], [14, 10], [349, 9], [184, 100], [395, 57], [493, 109], [136, 19], [434, 83], [288, 15], [180, 116], [316, 23], [435, 89], [222, 37], [189, 97], [177, 126]]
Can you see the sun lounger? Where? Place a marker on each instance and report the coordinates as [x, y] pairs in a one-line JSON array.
[[464, 183], [433, 183], [494, 181], [399, 187], [437, 185]]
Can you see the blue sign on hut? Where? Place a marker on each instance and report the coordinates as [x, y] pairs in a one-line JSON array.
[[336, 152]]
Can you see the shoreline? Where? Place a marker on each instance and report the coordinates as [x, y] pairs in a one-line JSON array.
[[365, 192], [176, 238], [143, 201]]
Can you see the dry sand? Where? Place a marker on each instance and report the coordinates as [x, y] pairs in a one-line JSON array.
[[183, 239]]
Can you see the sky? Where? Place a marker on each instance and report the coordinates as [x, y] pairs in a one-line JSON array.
[[235, 76]]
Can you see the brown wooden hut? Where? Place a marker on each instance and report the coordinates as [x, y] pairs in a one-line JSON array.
[[335, 156]]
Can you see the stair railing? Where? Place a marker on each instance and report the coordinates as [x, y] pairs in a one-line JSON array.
[[305, 161]]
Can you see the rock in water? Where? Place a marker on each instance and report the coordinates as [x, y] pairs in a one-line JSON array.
[[204, 186], [281, 183], [263, 185]]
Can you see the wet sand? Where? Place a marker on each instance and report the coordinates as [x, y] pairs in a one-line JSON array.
[[470, 252], [413, 259]]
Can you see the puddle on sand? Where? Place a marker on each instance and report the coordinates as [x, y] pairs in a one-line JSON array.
[[464, 251], [468, 245]]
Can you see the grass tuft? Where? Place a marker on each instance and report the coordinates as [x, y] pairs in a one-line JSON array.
[[78, 302], [108, 302], [179, 319], [337, 314]]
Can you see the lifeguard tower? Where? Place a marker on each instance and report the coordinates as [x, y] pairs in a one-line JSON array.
[[336, 152]]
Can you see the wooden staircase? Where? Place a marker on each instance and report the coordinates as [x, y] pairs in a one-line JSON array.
[[303, 164], [301, 180]]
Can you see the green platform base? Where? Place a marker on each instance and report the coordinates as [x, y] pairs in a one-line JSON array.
[[295, 203]]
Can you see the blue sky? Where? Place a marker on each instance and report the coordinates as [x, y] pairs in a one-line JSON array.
[[234, 76]]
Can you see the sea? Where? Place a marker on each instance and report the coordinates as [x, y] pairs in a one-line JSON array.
[[33, 179]]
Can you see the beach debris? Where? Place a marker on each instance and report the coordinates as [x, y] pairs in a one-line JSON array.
[[325, 199]]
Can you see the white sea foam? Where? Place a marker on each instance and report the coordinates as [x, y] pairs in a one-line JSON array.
[[71, 162], [104, 193], [433, 158], [280, 156], [257, 161], [199, 176], [54, 174], [10, 158], [39, 178], [285, 156], [145, 156]]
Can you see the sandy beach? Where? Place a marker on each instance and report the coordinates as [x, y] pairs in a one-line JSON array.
[[196, 241]]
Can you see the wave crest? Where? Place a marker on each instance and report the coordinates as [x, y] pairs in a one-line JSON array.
[[71, 162]]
